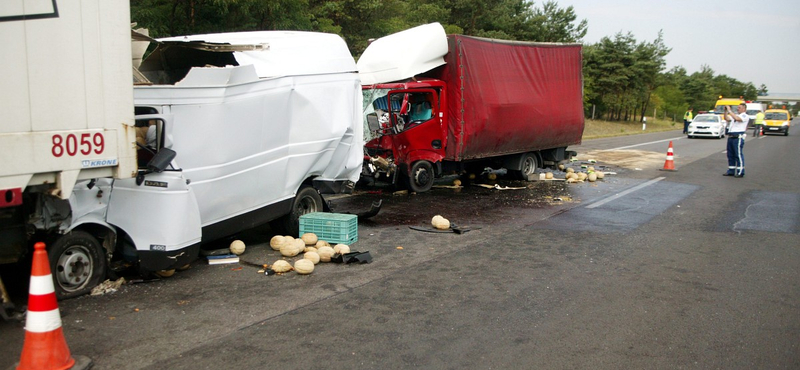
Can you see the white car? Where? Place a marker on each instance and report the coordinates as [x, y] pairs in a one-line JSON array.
[[710, 125]]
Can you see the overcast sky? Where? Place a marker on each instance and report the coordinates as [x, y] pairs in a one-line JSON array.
[[754, 41]]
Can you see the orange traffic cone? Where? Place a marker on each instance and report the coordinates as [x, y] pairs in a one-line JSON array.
[[45, 346], [669, 165]]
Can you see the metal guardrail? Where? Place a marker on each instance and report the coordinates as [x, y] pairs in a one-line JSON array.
[[779, 97]]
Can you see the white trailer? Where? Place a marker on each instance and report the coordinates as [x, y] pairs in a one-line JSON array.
[[67, 102]]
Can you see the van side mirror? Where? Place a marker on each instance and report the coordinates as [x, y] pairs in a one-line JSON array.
[[161, 160], [158, 164]]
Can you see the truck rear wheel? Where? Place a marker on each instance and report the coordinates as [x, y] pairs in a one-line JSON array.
[[77, 263], [306, 201], [527, 166], [421, 177]]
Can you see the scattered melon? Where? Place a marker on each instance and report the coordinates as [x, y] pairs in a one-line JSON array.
[[304, 266], [290, 249], [325, 254], [276, 242], [440, 222], [312, 256], [281, 266], [237, 247], [309, 238], [165, 273], [341, 249]]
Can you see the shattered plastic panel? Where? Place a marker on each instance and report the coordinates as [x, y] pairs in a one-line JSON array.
[[270, 53], [403, 55]]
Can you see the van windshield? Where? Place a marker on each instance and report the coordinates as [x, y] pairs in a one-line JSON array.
[[720, 109], [776, 116]]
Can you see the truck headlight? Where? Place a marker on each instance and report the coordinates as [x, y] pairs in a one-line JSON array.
[[785, 123]]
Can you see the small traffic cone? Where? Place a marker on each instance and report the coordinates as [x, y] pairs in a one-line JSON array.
[[669, 165], [45, 347]]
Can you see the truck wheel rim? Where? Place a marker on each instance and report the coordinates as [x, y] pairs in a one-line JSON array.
[[528, 166], [74, 268], [422, 177]]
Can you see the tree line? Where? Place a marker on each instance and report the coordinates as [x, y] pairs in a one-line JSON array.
[[624, 79]]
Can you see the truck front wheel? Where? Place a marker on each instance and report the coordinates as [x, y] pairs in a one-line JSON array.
[[421, 177], [77, 263]]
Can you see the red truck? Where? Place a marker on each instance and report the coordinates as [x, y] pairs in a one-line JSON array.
[[438, 104]]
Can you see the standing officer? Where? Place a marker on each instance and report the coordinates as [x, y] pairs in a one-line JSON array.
[[737, 125], [759, 130], [687, 119]]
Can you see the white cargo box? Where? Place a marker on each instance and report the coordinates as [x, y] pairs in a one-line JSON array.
[[66, 92]]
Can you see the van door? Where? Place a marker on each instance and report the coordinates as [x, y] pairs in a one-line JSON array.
[[157, 210]]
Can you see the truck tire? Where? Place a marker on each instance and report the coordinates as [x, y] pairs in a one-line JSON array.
[[306, 201], [527, 166], [78, 264], [421, 177]]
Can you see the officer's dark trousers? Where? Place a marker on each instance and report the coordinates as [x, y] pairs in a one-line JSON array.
[[736, 155]]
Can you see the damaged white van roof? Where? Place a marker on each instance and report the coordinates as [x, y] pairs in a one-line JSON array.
[[270, 53], [403, 54]]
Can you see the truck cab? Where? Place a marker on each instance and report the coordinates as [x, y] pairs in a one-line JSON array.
[[406, 123], [452, 104]]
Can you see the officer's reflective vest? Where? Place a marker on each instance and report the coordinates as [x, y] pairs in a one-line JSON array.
[[760, 118]]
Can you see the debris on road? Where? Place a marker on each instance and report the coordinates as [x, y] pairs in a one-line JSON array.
[[353, 257], [108, 286], [498, 187]]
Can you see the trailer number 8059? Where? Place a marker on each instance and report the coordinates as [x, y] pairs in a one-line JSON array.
[[72, 144]]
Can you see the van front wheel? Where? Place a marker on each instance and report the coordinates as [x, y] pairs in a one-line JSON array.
[[306, 201], [77, 263]]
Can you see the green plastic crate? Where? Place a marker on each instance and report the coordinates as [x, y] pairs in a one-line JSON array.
[[334, 228]]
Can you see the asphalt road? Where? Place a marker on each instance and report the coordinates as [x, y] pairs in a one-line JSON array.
[[645, 269]]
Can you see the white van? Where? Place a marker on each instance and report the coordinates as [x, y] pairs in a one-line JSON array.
[[249, 128], [753, 109]]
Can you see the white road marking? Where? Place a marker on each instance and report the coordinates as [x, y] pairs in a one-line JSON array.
[[633, 146], [626, 192]]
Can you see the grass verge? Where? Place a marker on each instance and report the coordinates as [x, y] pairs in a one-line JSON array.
[[595, 129]]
